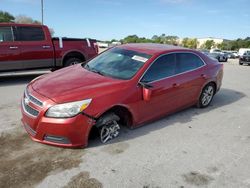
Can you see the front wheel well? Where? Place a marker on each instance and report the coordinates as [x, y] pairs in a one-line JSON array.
[[77, 55], [123, 113], [126, 119]]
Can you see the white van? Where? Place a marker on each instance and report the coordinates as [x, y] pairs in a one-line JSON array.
[[242, 51]]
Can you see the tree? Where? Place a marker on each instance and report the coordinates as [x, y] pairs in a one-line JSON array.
[[208, 44], [6, 17], [185, 42], [131, 39], [26, 20], [114, 40], [173, 40], [190, 43], [156, 39]]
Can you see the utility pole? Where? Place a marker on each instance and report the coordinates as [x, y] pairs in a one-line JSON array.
[[42, 10]]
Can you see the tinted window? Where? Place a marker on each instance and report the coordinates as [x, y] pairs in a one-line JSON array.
[[163, 67], [187, 62], [31, 34], [6, 34]]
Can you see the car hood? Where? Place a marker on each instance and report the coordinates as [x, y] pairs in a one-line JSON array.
[[74, 83]]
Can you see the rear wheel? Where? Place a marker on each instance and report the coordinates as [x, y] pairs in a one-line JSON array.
[[206, 96], [240, 63], [72, 61], [109, 127]]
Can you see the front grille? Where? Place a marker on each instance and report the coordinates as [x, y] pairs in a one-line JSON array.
[[29, 110], [33, 99]]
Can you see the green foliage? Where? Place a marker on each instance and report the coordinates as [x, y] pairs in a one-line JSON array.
[[162, 39], [190, 43], [22, 19], [6, 17], [235, 44], [208, 44]]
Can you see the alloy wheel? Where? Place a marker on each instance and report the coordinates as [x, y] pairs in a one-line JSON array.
[[109, 131], [207, 95]]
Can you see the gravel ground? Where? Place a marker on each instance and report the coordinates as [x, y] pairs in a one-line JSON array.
[[193, 148]]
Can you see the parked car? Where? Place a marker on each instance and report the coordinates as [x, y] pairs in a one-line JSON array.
[[219, 56], [204, 51], [242, 51], [236, 54], [245, 58], [127, 85], [215, 51], [30, 46], [230, 55]]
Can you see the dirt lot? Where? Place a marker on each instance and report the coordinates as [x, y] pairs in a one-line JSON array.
[[193, 148]]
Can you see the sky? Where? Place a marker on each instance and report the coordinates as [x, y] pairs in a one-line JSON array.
[[116, 19]]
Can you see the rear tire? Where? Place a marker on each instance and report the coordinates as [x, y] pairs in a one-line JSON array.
[[72, 61], [206, 96], [240, 63]]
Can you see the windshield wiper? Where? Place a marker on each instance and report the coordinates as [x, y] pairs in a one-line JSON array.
[[86, 66], [97, 71], [93, 70]]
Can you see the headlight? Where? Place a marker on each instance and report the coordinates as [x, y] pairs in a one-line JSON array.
[[68, 109]]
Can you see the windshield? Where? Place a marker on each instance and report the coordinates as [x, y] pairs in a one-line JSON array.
[[247, 53], [118, 63]]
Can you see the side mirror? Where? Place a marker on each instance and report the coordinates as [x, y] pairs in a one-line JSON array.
[[146, 91]]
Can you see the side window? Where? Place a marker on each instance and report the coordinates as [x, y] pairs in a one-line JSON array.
[[163, 67], [6, 34], [31, 34], [187, 62]]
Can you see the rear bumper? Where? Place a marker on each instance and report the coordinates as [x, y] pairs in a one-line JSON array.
[[63, 132]]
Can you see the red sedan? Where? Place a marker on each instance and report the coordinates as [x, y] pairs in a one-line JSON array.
[[127, 85]]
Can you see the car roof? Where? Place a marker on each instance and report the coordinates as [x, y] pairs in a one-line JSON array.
[[151, 48], [17, 24]]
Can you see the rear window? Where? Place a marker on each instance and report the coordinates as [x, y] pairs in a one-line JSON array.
[[187, 62], [6, 34], [163, 67], [31, 34], [247, 53]]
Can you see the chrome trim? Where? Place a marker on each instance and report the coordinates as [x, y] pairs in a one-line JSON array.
[[60, 42], [31, 115], [29, 96], [89, 44], [204, 64], [12, 33]]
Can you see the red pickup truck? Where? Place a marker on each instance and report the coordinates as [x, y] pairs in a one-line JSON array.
[[30, 46]]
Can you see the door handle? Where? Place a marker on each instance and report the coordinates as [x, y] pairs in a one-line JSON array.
[[175, 85], [13, 47], [204, 76], [46, 47]]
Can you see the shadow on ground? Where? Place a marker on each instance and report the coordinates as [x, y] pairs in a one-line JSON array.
[[17, 79], [223, 98]]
